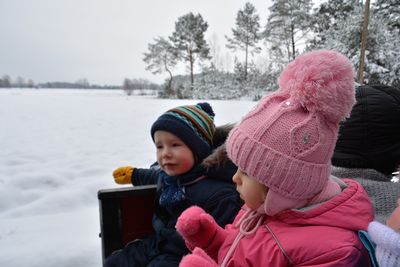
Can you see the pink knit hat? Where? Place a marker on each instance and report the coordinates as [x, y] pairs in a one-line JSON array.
[[287, 140]]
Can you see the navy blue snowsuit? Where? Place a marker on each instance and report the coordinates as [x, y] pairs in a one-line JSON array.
[[215, 193]]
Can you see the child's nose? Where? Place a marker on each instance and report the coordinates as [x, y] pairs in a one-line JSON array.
[[166, 152], [236, 178]]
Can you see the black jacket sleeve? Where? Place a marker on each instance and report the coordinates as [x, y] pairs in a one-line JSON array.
[[145, 176], [218, 198]]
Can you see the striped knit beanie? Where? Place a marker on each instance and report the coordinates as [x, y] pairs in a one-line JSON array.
[[194, 125], [287, 141]]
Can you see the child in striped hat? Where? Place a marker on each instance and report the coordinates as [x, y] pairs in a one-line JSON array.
[[183, 137]]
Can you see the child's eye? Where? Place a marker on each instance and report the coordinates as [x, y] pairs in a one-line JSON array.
[[159, 147], [176, 144]]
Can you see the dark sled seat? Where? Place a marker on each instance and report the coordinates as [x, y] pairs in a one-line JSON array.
[[125, 215]]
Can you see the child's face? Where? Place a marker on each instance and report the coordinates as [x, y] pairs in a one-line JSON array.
[[394, 219], [173, 155], [251, 191]]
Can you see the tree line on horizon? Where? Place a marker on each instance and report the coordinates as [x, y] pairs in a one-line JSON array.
[[292, 27], [128, 84]]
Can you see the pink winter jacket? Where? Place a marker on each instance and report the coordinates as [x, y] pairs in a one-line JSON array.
[[325, 235]]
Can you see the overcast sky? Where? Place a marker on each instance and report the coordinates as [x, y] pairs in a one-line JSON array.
[[100, 40]]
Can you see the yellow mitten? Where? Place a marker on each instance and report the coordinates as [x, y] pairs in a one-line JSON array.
[[123, 175]]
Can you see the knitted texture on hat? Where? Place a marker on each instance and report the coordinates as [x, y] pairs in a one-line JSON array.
[[193, 124], [287, 141], [387, 244]]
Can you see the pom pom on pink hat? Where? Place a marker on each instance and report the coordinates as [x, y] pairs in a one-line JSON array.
[[286, 142]]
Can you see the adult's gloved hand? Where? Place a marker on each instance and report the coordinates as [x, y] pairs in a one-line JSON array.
[[123, 175]]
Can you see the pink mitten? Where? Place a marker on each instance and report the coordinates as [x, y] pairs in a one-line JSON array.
[[197, 227], [198, 259]]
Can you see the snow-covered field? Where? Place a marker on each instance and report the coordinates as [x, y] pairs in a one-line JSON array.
[[57, 149]]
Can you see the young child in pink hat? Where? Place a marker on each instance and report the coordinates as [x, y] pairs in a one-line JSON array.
[[295, 212]]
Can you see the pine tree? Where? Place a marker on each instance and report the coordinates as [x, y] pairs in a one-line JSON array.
[[338, 17], [188, 39], [288, 24], [343, 34], [390, 9], [386, 19], [382, 53], [160, 58], [246, 34]]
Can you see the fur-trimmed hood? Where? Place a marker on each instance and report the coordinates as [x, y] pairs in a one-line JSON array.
[[219, 157], [217, 164]]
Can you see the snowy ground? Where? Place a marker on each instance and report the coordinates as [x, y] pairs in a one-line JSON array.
[[57, 149]]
